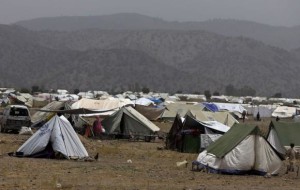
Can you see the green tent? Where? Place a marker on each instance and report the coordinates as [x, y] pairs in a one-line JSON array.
[[242, 150], [231, 139], [191, 132], [127, 122], [282, 134]]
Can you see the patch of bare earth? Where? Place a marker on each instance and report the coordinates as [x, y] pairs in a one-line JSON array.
[[122, 165]]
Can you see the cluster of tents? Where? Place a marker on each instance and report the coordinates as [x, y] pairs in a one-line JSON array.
[[197, 129], [225, 145], [56, 136]]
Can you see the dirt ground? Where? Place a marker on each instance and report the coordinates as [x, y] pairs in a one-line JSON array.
[[123, 165]]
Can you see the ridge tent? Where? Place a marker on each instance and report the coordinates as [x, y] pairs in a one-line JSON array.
[[55, 136], [193, 128], [223, 117], [39, 118], [150, 112], [179, 108], [91, 104], [242, 150], [174, 136], [127, 121], [284, 112], [282, 134]]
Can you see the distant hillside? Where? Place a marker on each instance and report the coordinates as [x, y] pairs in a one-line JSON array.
[[226, 60], [296, 52], [284, 37], [168, 61], [121, 69], [24, 64]]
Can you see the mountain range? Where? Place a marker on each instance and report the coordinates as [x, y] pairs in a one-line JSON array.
[[284, 37], [118, 55]]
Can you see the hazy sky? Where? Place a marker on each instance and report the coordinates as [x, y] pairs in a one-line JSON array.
[[274, 12]]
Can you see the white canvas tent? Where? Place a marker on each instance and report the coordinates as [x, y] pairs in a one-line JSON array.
[[207, 139], [264, 110], [231, 107], [111, 105], [284, 112], [58, 136], [241, 151]]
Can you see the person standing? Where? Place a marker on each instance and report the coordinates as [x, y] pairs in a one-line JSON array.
[[244, 115], [258, 116], [291, 156], [97, 127]]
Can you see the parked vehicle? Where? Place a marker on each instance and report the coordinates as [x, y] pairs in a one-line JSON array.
[[14, 117]]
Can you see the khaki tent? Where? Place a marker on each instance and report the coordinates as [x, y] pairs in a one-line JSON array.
[[223, 117], [128, 122], [150, 112], [179, 108], [91, 104], [39, 115]]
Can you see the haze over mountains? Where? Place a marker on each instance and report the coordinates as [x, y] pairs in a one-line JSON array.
[[115, 52], [284, 37]]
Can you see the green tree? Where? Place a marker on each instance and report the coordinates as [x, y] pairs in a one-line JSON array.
[[35, 88], [216, 93], [230, 90], [76, 91], [24, 90], [246, 91], [277, 95], [145, 90]]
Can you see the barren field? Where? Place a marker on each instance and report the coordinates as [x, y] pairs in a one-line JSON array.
[[148, 168]]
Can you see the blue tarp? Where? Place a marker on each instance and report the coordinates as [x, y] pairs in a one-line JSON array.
[[156, 100], [211, 106]]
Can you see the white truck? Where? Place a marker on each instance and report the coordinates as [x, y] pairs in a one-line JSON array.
[[14, 117]]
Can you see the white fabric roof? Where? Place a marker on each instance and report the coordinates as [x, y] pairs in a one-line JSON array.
[[215, 125], [230, 107], [284, 112], [101, 105], [144, 102], [62, 136]]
